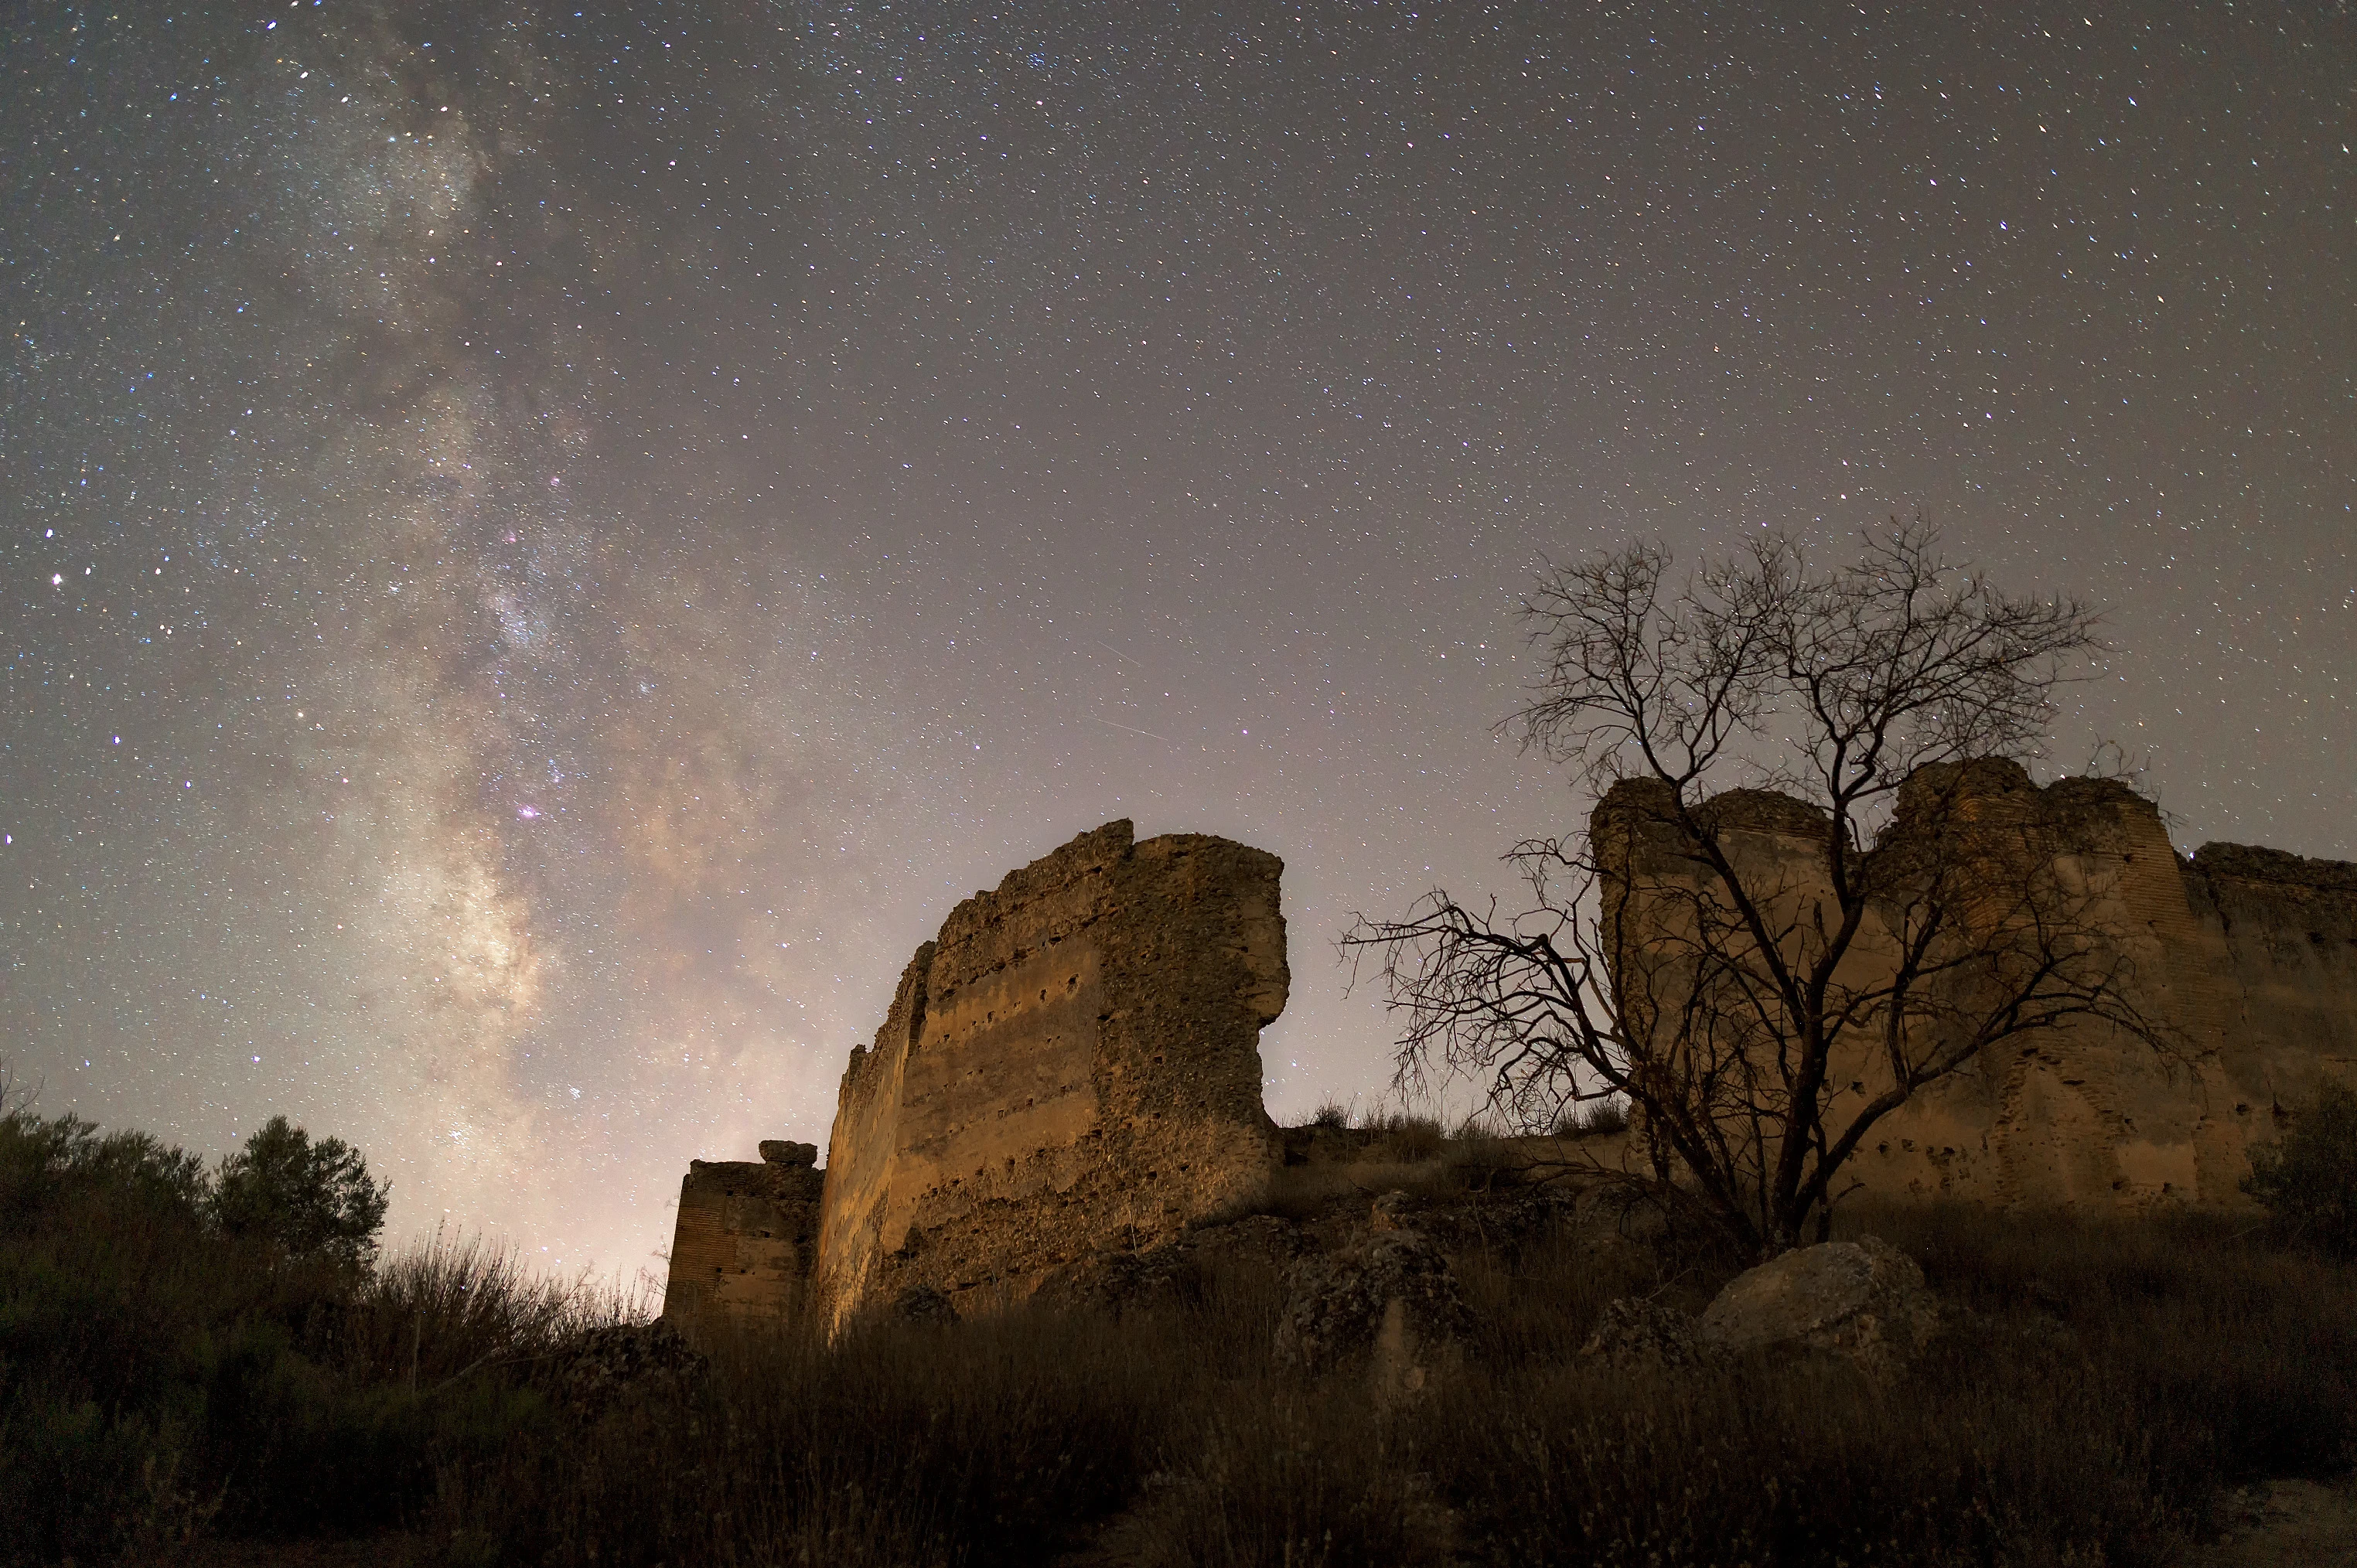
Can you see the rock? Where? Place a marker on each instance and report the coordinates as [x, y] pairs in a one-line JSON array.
[[922, 1303], [1267, 1239], [1614, 1213], [1635, 1333], [1503, 1225], [1864, 1300], [781, 1152], [1117, 1281], [1392, 1212], [1392, 1295], [593, 1372]]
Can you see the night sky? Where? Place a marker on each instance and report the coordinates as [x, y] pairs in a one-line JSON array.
[[545, 549]]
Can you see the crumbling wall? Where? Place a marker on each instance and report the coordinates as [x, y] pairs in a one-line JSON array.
[[2246, 958], [1073, 1064], [2287, 928], [746, 1238]]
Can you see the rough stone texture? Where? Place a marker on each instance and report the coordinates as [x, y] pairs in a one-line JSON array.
[[922, 1303], [1264, 1239], [1392, 1294], [1864, 1300], [1620, 1211], [747, 1239], [2249, 955], [594, 1371], [1117, 1281], [1072, 1066], [1635, 1334]]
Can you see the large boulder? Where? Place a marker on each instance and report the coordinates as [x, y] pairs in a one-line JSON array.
[[1862, 1300], [1392, 1295]]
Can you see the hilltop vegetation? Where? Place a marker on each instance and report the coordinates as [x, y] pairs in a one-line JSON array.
[[187, 1353], [171, 1380]]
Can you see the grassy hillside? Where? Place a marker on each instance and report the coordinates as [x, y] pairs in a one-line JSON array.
[[164, 1386]]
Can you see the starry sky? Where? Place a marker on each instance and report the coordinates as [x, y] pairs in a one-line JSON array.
[[545, 548]]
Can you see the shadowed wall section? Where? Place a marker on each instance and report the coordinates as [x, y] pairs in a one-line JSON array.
[[746, 1238], [1072, 1065], [2249, 956]]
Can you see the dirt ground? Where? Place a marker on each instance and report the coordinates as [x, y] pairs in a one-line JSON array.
[[399, 1551], [2312, 1524], [2280, 1524]]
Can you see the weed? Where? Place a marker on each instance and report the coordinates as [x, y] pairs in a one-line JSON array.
[[1593, 1118]]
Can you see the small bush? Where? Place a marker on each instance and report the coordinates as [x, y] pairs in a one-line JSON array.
[[172, 1364], [1404, 1137], [1331, 1114], [2308, 1181], [1593, 1118]]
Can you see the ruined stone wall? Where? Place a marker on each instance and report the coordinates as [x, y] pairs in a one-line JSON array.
[[746, 1238], [2248, 957], [1073, 1064], [2289, 930]]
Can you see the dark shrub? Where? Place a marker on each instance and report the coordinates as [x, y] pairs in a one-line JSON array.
[[1593, 1118], [49, 1164], [310, 1200]]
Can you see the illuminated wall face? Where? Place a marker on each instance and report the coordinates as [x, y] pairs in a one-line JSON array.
[[1075, 1064], [745, 1243], [2249, 957]]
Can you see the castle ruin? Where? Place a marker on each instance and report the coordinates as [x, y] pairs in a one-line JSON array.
[[2245, 958], [1071, 1067], [746, 1238]]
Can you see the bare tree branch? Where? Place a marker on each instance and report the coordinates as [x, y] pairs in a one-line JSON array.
[[1760, 1010]]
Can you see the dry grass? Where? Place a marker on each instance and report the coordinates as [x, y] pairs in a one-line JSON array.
[[451, 1305], [2099, 1386]]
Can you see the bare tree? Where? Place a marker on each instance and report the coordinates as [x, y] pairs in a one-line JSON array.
[[1805, 893]]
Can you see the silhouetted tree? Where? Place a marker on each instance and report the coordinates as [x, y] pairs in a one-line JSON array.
[[63, 1164], [1902, 928], [313, 1200]]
